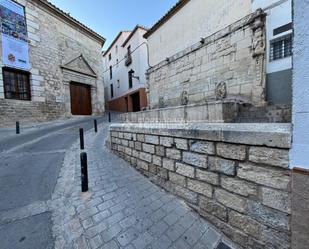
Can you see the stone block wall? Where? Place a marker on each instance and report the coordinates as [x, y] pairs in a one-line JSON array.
[[234, 175], [226, 65]]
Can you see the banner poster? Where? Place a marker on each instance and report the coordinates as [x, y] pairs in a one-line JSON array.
[[15, 47]]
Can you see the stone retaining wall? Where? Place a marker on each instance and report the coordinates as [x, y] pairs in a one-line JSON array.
[[234, 175]]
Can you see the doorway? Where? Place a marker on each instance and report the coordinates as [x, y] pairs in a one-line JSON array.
[[80, 99], [136, 106]]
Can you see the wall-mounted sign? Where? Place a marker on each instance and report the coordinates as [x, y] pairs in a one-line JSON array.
[[15, 48]]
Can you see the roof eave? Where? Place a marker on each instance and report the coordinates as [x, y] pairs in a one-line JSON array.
[[174, 10], [71, 20]]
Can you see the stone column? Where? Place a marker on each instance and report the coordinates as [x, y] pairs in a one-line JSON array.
[[67, 99]]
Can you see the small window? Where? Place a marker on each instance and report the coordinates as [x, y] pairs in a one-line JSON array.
[[16, 84], [130, 79], [118, 83], [109, 56], [129, 50], [116, 49], [281, 48], [117, 62], [110, 72], [112, 91]]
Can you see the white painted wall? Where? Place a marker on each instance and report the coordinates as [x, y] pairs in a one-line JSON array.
[[300, 146], [120, 71], [279, 13], [198, 18]]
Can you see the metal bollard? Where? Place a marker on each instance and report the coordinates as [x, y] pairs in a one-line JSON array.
[[84, 171], [81, 138], [17, 128], [95, 126], [109, 117]]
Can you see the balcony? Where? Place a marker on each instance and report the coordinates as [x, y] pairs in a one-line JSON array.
[[128, 60]]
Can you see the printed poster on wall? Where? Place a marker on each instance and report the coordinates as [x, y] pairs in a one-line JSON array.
[[15, 48]]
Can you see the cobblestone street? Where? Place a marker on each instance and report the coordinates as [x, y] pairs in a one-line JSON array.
[[122, 209]]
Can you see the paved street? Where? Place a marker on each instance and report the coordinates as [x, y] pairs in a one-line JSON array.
[[30, 165], [42, 207]]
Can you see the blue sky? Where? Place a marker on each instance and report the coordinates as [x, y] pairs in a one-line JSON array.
[[108, 17]]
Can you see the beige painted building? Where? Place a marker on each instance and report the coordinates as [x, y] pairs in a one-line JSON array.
[[65, 75]]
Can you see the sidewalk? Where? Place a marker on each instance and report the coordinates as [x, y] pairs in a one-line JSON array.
[[122, 209]]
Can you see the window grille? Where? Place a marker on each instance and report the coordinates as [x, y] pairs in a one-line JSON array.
[[281, 48], [16, 84]]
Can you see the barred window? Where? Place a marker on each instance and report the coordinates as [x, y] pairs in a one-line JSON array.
[[16, 84], [281, 47]]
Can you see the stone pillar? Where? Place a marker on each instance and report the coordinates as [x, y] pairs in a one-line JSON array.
[[67, 98], [299, 160]]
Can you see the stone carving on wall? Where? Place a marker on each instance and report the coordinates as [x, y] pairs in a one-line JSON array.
[[184, 98], [221, 91], [258, 46], [80, 65]]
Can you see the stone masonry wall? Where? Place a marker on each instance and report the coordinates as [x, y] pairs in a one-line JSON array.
[[53, 42], [234, 175], [226, 65]]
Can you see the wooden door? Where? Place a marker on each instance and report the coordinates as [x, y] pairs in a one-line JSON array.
[[136, 107], [80, 99]]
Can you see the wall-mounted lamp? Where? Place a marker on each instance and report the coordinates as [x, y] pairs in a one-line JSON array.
[[202, 41], [167, 59], [132, 73]]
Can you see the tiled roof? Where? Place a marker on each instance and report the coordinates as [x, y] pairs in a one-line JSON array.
[[114, 41], [166, 17], [72, 20], [137, 27]]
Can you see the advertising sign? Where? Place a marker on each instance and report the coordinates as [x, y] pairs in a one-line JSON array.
[[15, 48]]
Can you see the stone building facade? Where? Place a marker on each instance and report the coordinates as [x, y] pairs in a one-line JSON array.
[[227, 65], [62, 51]]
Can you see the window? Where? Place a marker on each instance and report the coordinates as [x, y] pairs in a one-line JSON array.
[[117, 62], [112, 91], [116, 49], [128, 60], [281, 47], [16, 84], [118, 83], [110, 72], [131, 79], [109, 56], [129, 50]]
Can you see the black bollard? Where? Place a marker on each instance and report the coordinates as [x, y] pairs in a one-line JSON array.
[[17, 128], [84, 171], [95, 126], [109, 117], [81, 138]]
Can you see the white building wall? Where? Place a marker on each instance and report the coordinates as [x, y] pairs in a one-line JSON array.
[[300, 146], [278, 13], [199, 18], [120, 72]]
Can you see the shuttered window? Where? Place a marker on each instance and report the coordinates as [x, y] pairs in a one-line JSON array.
[[16, 84]]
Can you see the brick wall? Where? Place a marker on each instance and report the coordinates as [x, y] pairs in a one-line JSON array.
[[234, 175], [233, 56]]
